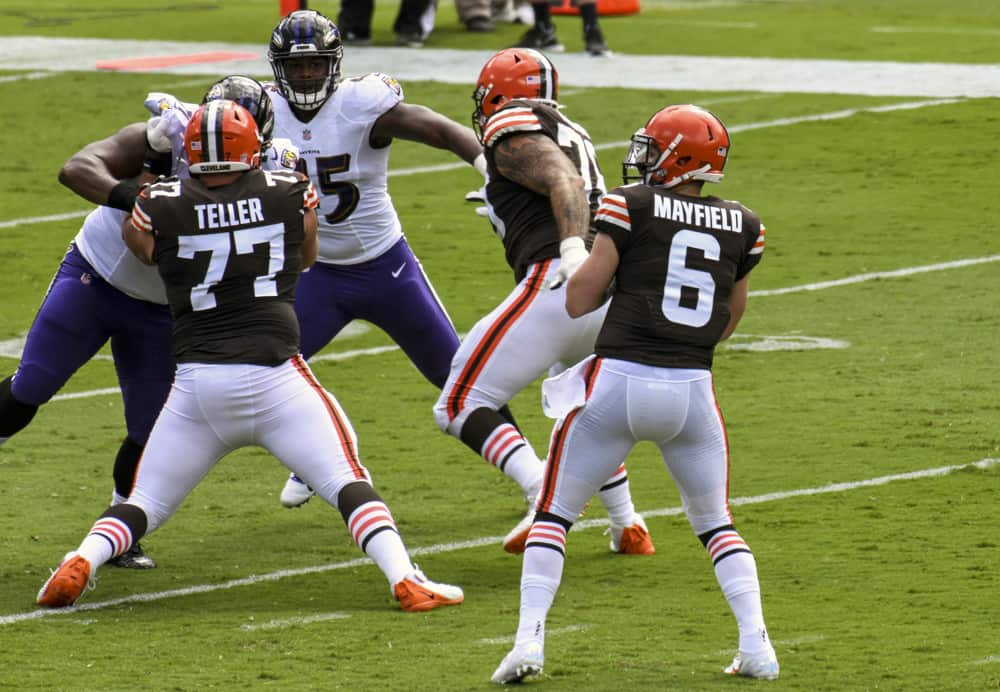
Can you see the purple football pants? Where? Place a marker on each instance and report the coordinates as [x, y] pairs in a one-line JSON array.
[[80, 313], [390, 291]]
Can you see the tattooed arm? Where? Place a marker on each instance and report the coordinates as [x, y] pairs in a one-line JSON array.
[[537, 163]]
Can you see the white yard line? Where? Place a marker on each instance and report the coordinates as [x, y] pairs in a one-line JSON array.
[[14, 618], [846, 281], [745, 127], [6, 79]]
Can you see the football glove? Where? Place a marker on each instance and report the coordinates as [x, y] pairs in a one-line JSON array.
[[158, 134], [478, 196], [572, 253]]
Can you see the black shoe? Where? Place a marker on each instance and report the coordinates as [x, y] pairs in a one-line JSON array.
[[541, 39], [133, 558], [410, 39], [355, 38], [593, 40], [480, 25]]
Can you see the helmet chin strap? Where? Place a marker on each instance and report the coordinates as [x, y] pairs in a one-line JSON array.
[[697, 174]]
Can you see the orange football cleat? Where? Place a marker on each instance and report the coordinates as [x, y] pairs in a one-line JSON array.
[[67, 582]]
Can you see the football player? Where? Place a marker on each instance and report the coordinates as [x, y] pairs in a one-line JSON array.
[[542, 186], [101, 292], [230, 243], [680, 263], [343, 129]]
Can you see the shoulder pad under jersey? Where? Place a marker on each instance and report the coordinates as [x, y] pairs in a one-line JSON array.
[[368, 96], [519, 117], [281, 155]]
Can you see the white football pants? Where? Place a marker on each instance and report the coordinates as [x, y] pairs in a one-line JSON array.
[[215, 409], [627, 403], [524, 337]]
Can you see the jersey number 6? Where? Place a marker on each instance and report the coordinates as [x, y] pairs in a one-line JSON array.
[[679, 275]]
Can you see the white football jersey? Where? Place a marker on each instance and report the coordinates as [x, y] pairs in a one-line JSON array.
[[357, 221], [100, 239]]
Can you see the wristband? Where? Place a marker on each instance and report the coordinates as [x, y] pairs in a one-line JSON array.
[[571, 244], [479, 163], [122, 195]]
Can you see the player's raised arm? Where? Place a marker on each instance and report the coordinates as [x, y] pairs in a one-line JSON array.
[[105, 171], [418, 123]]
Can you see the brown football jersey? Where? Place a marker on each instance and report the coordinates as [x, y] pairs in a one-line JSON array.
[[230, 258], [679, 258], [523, 219]]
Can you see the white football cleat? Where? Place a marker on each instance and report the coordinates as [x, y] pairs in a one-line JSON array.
[[295, 493], [762, 665], [525, 660]]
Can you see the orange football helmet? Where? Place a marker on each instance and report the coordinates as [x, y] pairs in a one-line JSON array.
[[222, 137], [514, 73], [678, 144]]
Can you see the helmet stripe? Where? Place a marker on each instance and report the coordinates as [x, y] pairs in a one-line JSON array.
[[547, 89], [211, 131]]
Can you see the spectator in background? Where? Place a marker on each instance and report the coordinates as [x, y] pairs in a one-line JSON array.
[[542, 36], [414, 22], [477, 15]]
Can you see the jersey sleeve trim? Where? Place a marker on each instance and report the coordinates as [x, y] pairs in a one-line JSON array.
[[508, 121], [310, 198], [614, 210], [141, 220], [758, 246]]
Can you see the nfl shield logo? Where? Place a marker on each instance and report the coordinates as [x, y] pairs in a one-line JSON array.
[[307, 134]]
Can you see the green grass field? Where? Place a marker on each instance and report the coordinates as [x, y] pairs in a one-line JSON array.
[[882, 251]]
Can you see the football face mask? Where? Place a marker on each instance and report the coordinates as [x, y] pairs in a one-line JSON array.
[[677, 145], [249, 93], [306, 34]]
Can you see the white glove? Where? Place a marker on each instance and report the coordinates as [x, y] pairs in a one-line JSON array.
[[572, 253], [157, 134], [478, 196]]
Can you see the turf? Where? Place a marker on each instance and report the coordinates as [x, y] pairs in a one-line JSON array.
[[890, 586]]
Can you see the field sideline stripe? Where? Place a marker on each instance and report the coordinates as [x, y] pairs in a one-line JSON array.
[[480, 542], [780, 122]]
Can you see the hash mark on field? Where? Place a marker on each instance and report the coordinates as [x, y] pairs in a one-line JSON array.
[[989, 659], [477, 543], [548, 633], [291, 622]]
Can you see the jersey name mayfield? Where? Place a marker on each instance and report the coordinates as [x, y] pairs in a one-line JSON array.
[[230, 262], [523, 219], [680, 257]]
